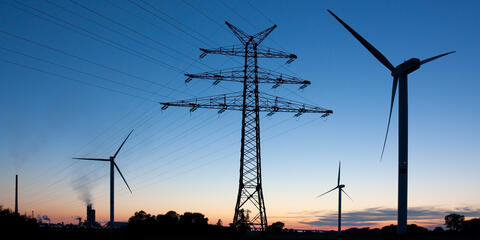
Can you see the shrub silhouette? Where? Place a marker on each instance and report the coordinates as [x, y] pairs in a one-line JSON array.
[[454, 221], [13, 222], [276, 227]]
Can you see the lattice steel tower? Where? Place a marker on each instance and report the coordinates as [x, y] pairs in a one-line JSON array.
[[251, 102]]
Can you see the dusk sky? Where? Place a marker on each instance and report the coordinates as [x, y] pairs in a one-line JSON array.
[[77, 76]]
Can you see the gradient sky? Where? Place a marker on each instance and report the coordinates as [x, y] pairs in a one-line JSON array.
[[182, 161]]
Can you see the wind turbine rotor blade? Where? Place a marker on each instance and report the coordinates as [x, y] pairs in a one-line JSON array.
[[93, 159], [122, 144], [118, 169], [433, 58], [377, 54], [394, 91], [338, 182], [347, 194], [327, 192]]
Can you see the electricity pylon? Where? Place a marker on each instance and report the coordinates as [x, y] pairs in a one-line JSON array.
[[251, 102]]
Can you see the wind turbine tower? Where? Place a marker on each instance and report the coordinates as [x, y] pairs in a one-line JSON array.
[[400, 75], [340, 191], [113, 165]]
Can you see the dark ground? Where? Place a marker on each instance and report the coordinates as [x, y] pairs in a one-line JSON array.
[[195, 226], [119, 234]]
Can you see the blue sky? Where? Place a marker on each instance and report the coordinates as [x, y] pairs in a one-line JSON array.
[[93, 94]]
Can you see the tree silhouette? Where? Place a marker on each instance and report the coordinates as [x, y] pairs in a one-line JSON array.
[[471, 226], [454, 221], [243, 224], [142, 220], [11, 222], [170, 218], [438, 230], [193, 218], [389, 230], [276, 227]]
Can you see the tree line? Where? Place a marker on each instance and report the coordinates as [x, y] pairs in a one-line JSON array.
[[143, 225]]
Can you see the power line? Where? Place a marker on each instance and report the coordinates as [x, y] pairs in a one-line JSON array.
[[132, 30], [179, 157], [78, 71], [163, 30], [53, 191], [43, 190], [233, 143], [139, 33], [94, 36], [159, 17], [75, 80], [90, 61], [258, 10], [148, 182]]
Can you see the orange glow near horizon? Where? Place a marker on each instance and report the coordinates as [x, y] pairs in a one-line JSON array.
[[293, 220], [290, 223]]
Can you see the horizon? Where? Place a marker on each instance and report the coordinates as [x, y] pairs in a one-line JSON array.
[[189, 161], [47, 220]]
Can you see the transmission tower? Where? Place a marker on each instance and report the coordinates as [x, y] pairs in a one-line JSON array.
[[251, 102]]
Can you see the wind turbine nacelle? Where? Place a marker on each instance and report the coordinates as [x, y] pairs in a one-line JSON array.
[[407, 67], [341, 186]]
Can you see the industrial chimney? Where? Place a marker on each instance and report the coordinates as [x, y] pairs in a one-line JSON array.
[[16, 194], [90, 216]]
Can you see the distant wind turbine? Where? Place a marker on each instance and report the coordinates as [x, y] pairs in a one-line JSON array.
[[340, 190], [112, 173], [400, 75]]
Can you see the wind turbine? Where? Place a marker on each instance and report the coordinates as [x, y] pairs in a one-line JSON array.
[[340, 190], [112, 173], [400, 75]]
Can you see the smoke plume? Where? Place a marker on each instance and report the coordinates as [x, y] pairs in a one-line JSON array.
[[81, 185]]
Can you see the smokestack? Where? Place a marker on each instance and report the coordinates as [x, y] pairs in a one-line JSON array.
[[16, 194], [90, 216]]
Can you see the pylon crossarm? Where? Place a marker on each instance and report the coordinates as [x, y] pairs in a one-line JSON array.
[[276, 78], [270, 103], [235, 50], [241, 35], [245, 38], [259, 37], [230, 74], [239, 51], [265, 52], [233, 101], [237, 75], [229, 101]]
